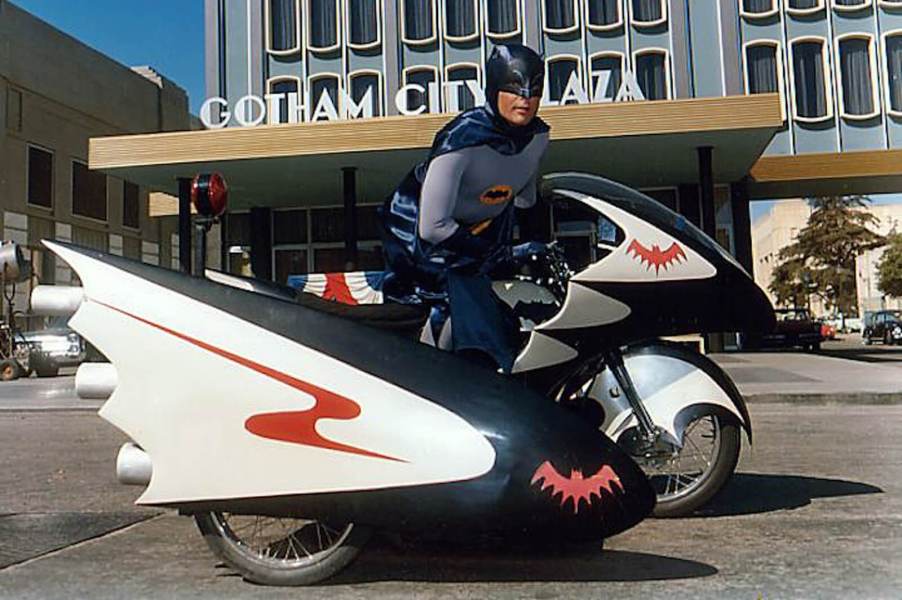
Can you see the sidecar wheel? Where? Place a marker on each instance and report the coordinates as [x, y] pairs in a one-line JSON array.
[[284, 552], [695, 473]]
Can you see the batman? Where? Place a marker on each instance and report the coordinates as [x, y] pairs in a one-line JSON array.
[[450, 222]]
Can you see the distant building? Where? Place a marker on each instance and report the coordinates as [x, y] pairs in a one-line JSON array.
[[780, 226], [870, 298], [55, 94]]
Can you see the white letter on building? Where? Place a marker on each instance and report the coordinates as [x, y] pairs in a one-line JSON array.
[[601, 85], [629, 89], [401, 100], [452, 87], [325, 107], [574, 91], [274, 107], [296, 112], [366, 105], [434, 106], [206, 113], [478, 92], [244, 110]]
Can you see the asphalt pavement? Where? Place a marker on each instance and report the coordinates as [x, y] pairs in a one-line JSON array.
[[815, 511]]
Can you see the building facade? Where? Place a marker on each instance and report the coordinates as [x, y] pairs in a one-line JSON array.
[[836, 65], [55, 94]]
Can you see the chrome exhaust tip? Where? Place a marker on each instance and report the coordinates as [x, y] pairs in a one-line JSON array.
[[95, 381], [56, 300], [133, 465]]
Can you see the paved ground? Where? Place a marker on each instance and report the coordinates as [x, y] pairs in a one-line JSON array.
[[815, 511]]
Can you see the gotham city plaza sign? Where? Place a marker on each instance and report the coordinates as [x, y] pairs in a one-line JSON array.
[[294, 107]]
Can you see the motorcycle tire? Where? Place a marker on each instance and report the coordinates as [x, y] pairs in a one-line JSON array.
[[723, 464], [264, 566]]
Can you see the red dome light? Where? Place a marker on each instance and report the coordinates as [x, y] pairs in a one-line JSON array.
[[209, 194]]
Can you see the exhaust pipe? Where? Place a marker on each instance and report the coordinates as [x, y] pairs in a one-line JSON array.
[[133, 465], [56, 300], [95, 381]]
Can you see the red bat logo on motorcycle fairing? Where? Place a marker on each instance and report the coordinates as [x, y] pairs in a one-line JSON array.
[[656, 257], [576, 487]]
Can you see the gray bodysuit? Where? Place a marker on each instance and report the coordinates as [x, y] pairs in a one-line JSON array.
[[472, 185]]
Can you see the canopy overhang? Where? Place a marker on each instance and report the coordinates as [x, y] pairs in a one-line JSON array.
[[643, 144]]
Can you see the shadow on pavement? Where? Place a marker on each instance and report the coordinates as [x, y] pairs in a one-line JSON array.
[[455, 566], [869, 354], [752, 493]]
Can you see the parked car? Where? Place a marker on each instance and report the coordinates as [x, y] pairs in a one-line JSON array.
[[884, 326], [53, 347], [795, 328]]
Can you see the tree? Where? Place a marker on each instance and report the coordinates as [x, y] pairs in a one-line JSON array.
[[889, 270], [822, 259]]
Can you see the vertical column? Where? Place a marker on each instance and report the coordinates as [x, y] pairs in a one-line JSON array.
[[742, 226], [714, 341], [185, 224], [261, 242], [706, 188], [349, 190]]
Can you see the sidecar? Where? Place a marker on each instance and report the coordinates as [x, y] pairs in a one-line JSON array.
[[289, 433]]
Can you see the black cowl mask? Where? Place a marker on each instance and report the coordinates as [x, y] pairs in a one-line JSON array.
[[513, 68]]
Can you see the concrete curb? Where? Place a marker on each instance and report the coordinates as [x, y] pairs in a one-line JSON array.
[[863, 398]]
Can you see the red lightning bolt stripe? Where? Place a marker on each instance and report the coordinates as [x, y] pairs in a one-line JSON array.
[[298, 427]]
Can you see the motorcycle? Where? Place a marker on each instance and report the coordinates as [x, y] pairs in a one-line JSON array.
[[290, 434]]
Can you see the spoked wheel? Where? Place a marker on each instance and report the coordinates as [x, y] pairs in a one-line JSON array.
[[273, 551], [686, 478]]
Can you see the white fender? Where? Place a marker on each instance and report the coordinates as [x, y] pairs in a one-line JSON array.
[[667, 385]]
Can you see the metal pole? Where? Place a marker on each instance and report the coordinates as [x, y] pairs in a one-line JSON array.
[[200, 246], [185, 224], [349, 188], [714, 341]]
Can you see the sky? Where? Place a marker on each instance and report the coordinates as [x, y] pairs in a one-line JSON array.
[[168, 35]]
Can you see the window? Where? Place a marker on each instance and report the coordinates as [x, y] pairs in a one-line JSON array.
[[604, 14], [40, 177], [323, 84], [282, 31], [757, 8], [363, 23], [666, 196], [361, 84], [503, 18], [560, 15], [458, 96], [858, 76], [849, 5], [761, 68], [131, 206], [418, 25], [893, 45], [460, 19], [88, 192], [277, 110], [803, 7], [652, 74], [560, 69], [612, 65], [647, 13], [288, 227], [323, 25], [810, 88], [424, 77]]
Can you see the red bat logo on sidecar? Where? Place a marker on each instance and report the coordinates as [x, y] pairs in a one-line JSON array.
[[576, 487], [655, 257]]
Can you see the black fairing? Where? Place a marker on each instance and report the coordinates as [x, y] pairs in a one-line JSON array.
[[525, 429], [728, 301]]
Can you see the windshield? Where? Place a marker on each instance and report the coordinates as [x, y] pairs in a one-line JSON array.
[[634, 202], [793, 315], [894, 316]]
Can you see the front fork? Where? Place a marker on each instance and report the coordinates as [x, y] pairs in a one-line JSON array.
[[647, 428]]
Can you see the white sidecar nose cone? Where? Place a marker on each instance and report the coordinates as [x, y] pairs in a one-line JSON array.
[[133, 465], [95, 381], [56, 300]]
